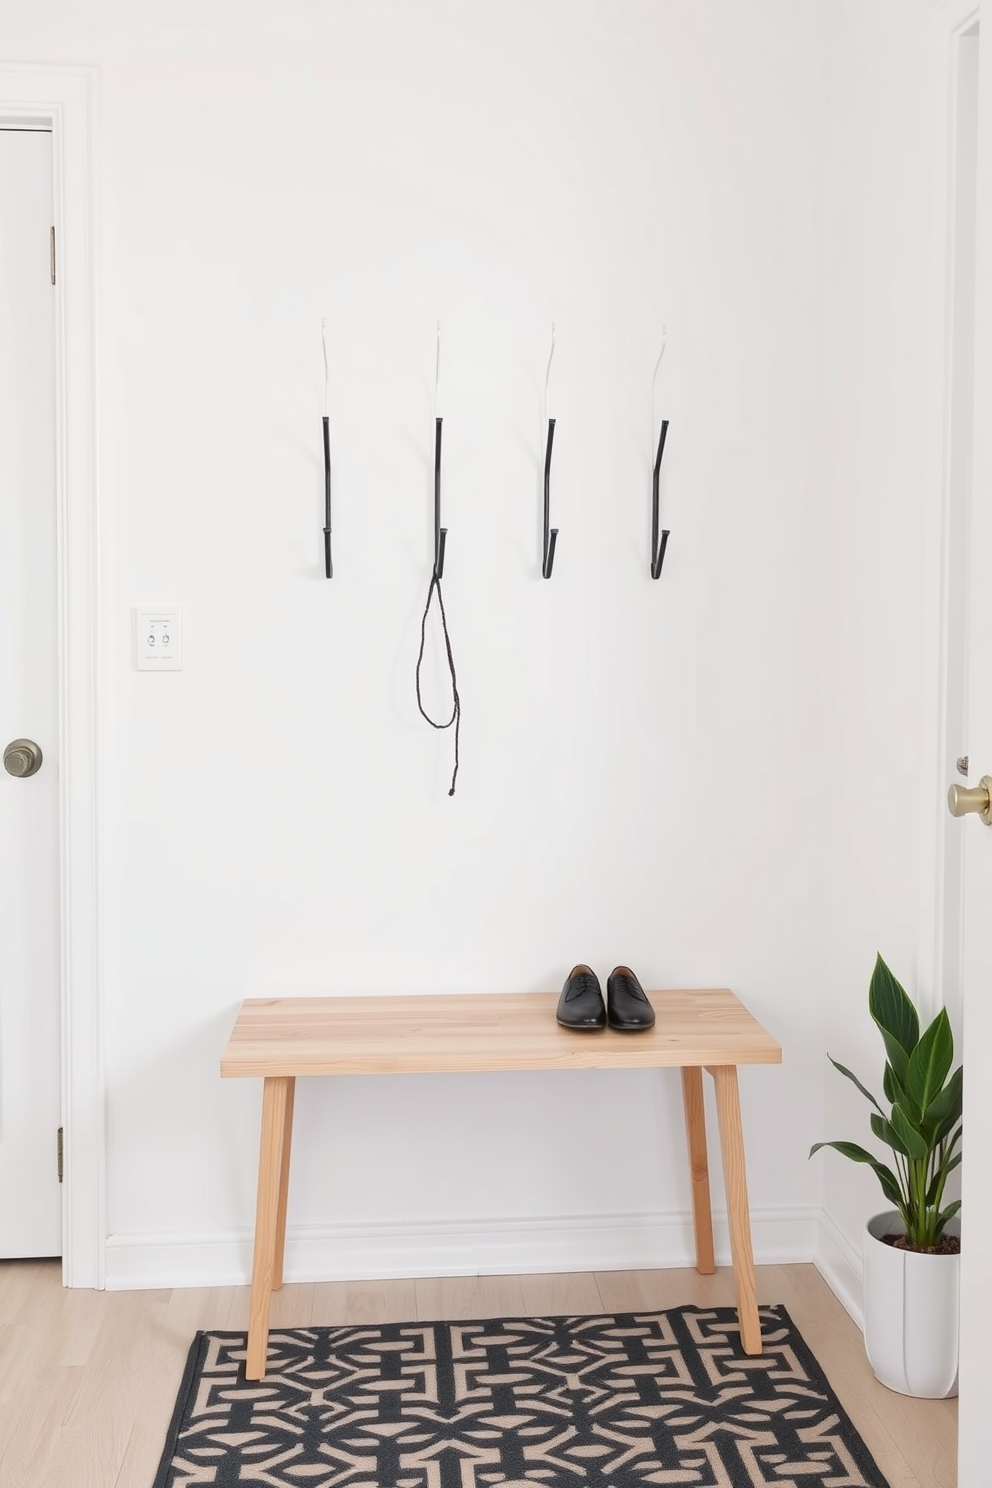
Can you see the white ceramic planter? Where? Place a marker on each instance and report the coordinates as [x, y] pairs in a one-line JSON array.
[[911, 1314]]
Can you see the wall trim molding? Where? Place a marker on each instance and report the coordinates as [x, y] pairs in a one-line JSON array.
[[956, 15], [480, 1247], [65, 97], [842, 1268]]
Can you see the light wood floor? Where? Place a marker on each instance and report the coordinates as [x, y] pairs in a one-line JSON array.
[[88, 1379]]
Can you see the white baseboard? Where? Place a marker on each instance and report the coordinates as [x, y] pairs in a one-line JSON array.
[[615, 1242], [840, 1265]]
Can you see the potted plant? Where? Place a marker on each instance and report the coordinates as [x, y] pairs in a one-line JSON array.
[[912, 1252]]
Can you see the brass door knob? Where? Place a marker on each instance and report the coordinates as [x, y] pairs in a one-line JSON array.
[[962, 799]]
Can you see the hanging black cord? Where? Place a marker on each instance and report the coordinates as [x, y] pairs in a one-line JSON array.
[[456, 708]]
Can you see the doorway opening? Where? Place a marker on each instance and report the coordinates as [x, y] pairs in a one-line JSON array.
[[62, 100], [30, 876]]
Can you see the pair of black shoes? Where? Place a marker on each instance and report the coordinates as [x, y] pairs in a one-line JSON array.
[[581, 1005]]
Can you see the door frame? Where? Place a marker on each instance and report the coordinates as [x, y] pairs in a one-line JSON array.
[[66, 99], [952, 19], [941, 908]]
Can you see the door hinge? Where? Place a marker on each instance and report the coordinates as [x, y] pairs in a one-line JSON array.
[[61, 1155], [52, 255]]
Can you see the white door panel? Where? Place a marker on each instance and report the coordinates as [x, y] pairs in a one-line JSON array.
[[969, 839], [30, 1198]]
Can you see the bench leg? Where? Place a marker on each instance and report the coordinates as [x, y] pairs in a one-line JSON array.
[[277, 1104], [287, 1142], [735, 1177], [695, 1130]]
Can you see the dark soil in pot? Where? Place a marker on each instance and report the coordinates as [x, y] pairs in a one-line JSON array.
[[946, 1245]]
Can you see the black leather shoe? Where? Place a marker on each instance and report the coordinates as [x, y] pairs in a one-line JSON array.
[[627, 1007], [581, 1005]]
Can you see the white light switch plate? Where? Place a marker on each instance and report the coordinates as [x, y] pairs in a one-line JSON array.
[[158, 638]]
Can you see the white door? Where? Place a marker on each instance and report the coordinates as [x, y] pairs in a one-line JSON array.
[[30, 1197], [969, 934]]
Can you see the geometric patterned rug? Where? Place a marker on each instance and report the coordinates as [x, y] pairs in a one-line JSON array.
[[665, 1398]]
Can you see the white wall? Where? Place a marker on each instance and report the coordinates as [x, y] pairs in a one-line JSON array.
[[880, 203], [641, 761]]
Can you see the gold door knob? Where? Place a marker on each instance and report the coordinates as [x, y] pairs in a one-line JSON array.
[[962, 799], [22, 758]]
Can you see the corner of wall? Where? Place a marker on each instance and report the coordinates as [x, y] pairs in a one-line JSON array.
[[840, 1266]]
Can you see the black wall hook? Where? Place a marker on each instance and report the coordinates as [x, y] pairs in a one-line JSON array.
[[440, 533], [658, 548], [328, 564], [550, 533]]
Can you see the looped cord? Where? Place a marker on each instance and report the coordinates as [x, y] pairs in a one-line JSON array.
[[456, 708]]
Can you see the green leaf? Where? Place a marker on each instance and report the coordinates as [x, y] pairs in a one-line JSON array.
[[891, 1008], [855, 1081], [929, 1064], [895, 1016], [916, 1145], [948, 1213], [945, 1108], [886, 1177], [897, 1056], [940, 1178], [885, 1132], [892, 1087]]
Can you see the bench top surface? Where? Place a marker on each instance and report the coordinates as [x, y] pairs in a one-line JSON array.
[[482, 1031]]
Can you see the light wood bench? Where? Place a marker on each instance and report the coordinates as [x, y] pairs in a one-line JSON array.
[[278, 1039]]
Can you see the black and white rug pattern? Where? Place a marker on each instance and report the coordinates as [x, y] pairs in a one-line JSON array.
[[665, 1398]]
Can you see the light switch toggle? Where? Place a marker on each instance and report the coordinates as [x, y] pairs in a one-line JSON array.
[[158, 638]]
